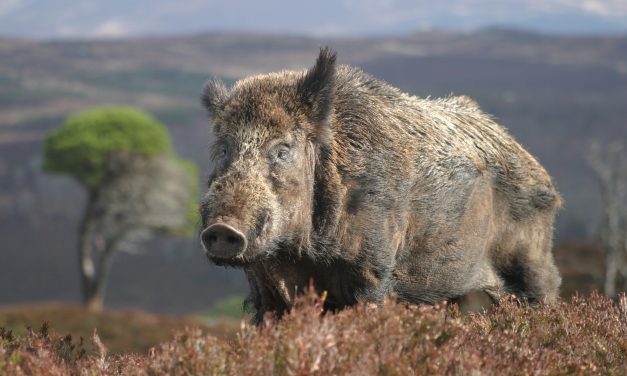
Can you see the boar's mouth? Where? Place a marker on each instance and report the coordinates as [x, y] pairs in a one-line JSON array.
[[226, 244]]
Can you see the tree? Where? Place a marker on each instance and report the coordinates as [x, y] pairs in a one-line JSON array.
[[135, 185], [610, 166]]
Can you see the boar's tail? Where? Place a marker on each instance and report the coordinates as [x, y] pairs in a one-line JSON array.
[[526, 197], [543, 197]]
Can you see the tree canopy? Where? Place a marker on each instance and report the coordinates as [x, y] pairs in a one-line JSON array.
[[81, 146]]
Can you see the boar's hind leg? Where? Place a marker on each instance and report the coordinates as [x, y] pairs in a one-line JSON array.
[[526, 262], [455, 263], [477, 300], [484, 292]]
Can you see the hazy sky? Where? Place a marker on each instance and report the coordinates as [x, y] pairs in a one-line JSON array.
[[113, 18]]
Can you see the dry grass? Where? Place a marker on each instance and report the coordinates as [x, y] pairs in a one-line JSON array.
[[586, 335], [120, 331]]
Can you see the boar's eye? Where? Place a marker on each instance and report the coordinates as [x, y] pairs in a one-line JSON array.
[[220, 152], [281, 153]]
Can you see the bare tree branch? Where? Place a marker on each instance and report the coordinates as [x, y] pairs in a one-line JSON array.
[[610, 167]]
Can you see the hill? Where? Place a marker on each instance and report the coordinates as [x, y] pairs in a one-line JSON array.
[[554, 93]]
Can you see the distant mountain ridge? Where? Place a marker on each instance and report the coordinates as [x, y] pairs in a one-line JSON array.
[[118, 18]]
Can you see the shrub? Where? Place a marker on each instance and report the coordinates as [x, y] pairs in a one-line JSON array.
[[586, 335]]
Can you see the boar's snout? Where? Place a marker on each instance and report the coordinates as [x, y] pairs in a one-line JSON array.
[[223, 241]]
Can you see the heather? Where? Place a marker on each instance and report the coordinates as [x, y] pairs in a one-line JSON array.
[[586, 335]]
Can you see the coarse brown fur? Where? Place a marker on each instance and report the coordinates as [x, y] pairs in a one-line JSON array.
[[335, 176]]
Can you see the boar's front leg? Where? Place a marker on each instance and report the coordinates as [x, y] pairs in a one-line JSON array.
[[263, 296]]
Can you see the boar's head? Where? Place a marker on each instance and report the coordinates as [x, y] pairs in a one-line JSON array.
[[269, 131]]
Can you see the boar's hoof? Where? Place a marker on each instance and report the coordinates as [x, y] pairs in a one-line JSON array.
[[223, 241]]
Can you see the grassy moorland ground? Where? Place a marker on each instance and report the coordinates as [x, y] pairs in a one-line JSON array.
[[120, 331], [584, 336]]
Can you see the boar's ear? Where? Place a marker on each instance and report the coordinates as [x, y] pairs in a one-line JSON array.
[[316, 90], [214, 95]]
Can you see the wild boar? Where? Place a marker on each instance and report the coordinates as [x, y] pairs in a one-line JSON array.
[[334, 176]]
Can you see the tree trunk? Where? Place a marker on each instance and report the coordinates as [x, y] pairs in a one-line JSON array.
[[94, 274], [100, 282], [611, 267], [87, 268], [94, 301]]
